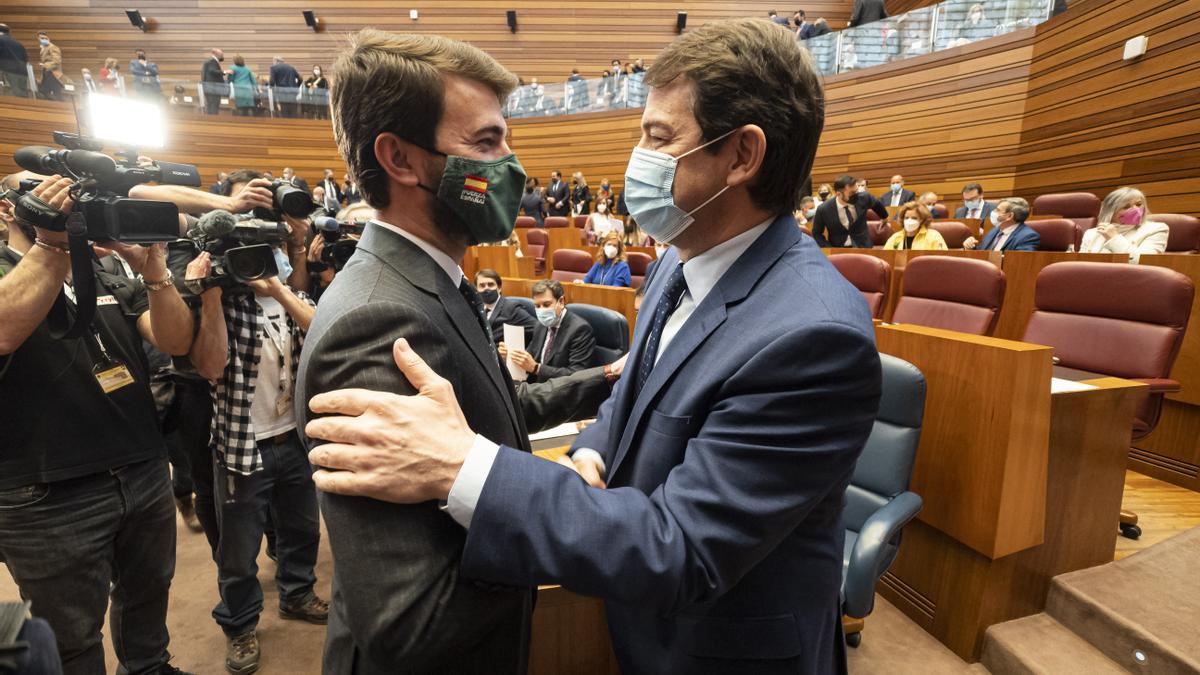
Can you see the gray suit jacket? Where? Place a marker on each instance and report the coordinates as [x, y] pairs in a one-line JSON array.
[[399, 603]]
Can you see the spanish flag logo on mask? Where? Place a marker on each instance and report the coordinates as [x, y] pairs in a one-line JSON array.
[[475, 184]]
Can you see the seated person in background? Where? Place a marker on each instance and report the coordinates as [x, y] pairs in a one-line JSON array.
[[929, 200], [975, 27], [808, 209], [915, 234], [974, 205], [1009, 231], [562, 342], [600, 223], [499, 309], [1125, 226], [610, 269], [897, 195], [633, 235], [842, 221]]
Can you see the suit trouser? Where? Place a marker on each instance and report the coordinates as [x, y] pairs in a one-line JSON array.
[[284, 485], [71, 544]]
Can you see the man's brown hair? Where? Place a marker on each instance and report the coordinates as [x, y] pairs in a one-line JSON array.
[[392, 83], [750, 71]]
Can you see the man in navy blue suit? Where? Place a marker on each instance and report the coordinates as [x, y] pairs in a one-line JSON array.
[[728, 443], [1009, 231]]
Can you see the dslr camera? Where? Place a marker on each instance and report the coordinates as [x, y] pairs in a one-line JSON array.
[[242, 248], [340, 240], [101, 192], [287, 200]]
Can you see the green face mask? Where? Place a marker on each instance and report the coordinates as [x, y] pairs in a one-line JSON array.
[[482, 196]]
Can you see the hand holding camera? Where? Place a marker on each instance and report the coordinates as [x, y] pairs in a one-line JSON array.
[[254, 195], [55, 193]]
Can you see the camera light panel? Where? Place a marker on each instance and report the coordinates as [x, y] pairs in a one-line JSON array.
[[127, 122]]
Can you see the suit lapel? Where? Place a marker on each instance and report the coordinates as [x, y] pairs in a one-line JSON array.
[[709, 315], [406, 259]]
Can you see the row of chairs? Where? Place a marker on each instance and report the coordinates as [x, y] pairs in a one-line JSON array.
[[1120, 320], [570, 264]]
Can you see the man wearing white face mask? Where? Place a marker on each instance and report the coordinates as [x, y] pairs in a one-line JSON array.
[[562, 342], [728, 444]]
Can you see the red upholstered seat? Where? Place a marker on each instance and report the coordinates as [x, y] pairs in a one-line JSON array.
[[536, 242], [1185, 232], [1122, 320], [570, 264], [526, 221], [953, 293], [1057, 233], [870, 276], [556, 221], [881, 231], [1081, 207], [954, 233], [939, 210], [638, 262], [581, 221]]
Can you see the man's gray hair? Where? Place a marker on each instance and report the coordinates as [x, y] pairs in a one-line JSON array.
[[1019, 208]]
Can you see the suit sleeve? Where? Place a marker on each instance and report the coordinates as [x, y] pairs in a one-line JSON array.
[[562, 399], [403, 615], [1031, 241], [818, 228], [582, 346], [784, 432]]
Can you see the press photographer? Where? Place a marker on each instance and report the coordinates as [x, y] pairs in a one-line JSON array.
[[248, 346], [85, 500]]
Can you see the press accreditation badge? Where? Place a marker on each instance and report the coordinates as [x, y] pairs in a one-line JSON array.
[[112, 375]]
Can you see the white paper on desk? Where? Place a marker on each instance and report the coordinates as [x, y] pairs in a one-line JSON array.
[[567, 429], [514, 339], [1060, 386]]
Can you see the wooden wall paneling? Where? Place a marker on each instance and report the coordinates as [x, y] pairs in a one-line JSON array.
[[570, 635], [551, 39]]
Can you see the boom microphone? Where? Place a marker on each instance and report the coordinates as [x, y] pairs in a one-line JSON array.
[[35, 158], [48, 161], [326, 223], [216, 223]]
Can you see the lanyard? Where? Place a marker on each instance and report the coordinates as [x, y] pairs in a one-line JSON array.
[[283, 346]]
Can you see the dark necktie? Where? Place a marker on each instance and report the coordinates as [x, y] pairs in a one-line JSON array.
[[676, 285], [551, 333], [472, 297]]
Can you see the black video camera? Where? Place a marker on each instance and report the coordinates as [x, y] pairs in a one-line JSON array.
[[341, 240], [242, 248], [288, 200], [101, 192]]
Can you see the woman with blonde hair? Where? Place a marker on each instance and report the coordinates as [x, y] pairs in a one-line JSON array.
[[581, 195], [915, 233], [610, 269], [1125, 226], [110, 77]]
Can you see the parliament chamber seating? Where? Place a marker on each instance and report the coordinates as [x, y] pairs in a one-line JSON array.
[[525, 221], [526, 303], [939, 210], [870, 275], [536, 242], [610, 329], [878, 501], [1081, 207], [1125, 321], [881, 231], [638, 262], [580, 221], [569, 264], [954, 233], [1184, 236], [1057, 234], [958, 294], [555, 221]]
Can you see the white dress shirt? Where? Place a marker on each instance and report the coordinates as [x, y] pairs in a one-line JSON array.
[[702, 274], [1002, 238]]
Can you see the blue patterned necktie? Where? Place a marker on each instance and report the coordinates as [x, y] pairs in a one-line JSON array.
[[673, 291]]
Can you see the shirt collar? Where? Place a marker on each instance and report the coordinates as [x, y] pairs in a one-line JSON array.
[[448, 265], [1009, 229], [704, 271]]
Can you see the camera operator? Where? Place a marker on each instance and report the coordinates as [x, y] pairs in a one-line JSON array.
[[85, 499], [241, 197], [322, 273], [248, 346]]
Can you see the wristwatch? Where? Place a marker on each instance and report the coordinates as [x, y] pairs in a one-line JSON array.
[[159, 285]]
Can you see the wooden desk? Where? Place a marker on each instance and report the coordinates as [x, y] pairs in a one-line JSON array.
[[1019, 486], [570, 635], [563, 237], [1021, 269], [503, 259]]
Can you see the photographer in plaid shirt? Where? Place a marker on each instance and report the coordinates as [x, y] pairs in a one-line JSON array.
[[248, 346]]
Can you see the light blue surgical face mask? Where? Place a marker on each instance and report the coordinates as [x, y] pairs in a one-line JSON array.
[[994, 216], [546, 316], [973, 204], [896, 187], [810, 214], [648, 182], [283, 265]]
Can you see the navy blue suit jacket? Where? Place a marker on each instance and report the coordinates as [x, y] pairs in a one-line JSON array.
[[718, 543], [984, 211], [1023, 238]]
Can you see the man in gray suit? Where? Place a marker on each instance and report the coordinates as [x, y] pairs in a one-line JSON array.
[[428, 149]]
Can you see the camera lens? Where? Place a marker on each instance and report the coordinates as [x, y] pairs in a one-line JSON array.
[[250, 262], [293, 201]]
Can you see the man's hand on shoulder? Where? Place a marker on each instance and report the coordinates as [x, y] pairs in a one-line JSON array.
[[402, 449]]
